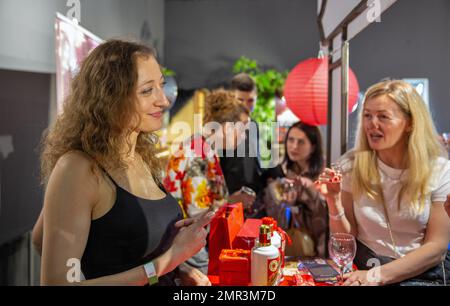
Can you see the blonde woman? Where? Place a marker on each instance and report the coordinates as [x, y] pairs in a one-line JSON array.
[[393, 191]]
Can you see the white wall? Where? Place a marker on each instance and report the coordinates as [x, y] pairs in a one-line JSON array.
[[27, 40]]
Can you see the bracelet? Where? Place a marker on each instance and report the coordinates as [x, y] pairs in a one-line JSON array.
[[337, 217], [150, 271]]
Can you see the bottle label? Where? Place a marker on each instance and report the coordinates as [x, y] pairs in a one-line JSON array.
[[281, 257], [272, 271]]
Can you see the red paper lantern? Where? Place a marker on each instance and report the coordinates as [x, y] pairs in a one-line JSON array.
[[306, 91]]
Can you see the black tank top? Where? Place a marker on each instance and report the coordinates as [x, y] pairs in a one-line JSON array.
[[133, 232]]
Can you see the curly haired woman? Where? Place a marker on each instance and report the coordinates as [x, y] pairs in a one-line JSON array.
[[105, 206]]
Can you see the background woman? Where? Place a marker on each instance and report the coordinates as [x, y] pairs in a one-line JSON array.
[[302, 164]]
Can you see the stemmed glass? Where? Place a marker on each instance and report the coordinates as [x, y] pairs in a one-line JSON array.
[[342, 249]]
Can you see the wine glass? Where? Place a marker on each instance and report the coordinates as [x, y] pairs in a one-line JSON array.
[[342, 249]]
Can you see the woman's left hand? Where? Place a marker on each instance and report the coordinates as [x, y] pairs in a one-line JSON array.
[[190, 276], [361, 278]]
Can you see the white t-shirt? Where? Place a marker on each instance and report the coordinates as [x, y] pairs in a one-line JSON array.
[[408, 229]]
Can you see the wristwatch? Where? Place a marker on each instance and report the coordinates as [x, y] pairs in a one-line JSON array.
[[150, 271]]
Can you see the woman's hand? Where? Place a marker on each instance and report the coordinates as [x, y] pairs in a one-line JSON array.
[[190, 276], [191, 237], [290, 193], [362, 278], [329, 183], [246, 199], [306, 182]]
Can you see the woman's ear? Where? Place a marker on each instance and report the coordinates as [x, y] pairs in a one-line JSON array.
[[409, 126]]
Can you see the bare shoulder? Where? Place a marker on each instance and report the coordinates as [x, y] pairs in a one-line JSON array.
[[78, 163], [75, 159], [76, 172]]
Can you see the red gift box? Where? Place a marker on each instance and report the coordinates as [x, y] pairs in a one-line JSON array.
[[234, 267], [223, 230], [246, 237]]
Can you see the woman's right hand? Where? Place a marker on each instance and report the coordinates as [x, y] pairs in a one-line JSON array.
[[190, 276], [329, 183], [192, 236]]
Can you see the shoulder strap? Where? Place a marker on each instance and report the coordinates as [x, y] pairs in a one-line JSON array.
[[106, 173]]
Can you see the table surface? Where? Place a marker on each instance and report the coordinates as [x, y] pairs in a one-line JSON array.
[[291, 264], [305, 278]]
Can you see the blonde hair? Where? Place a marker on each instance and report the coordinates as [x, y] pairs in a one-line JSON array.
[[222, 106], [422, 151], [100, 106]]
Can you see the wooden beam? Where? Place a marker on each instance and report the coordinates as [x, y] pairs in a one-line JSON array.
[[323, 39], [334, 65], [330, 105], [344, 91], [361, 7]]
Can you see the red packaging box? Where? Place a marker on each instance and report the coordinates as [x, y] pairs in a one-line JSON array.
[[234, 267], [223, 230], [245, 239]]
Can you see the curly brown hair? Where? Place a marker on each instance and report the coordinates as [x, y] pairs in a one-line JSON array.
[[99, 109], [222, 106]]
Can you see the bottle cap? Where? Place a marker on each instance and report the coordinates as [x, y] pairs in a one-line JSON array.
[[263, 229], [264, 235], [271, 222]]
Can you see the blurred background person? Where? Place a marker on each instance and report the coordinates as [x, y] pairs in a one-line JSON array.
[[244, 170], [290, 195], [194, 175]]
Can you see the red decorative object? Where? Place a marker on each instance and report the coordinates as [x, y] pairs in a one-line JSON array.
[[234, 267], [306, 91], [223, 229], [245, 238]]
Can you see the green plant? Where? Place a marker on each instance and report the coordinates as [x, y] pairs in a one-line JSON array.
[[167, 72]]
